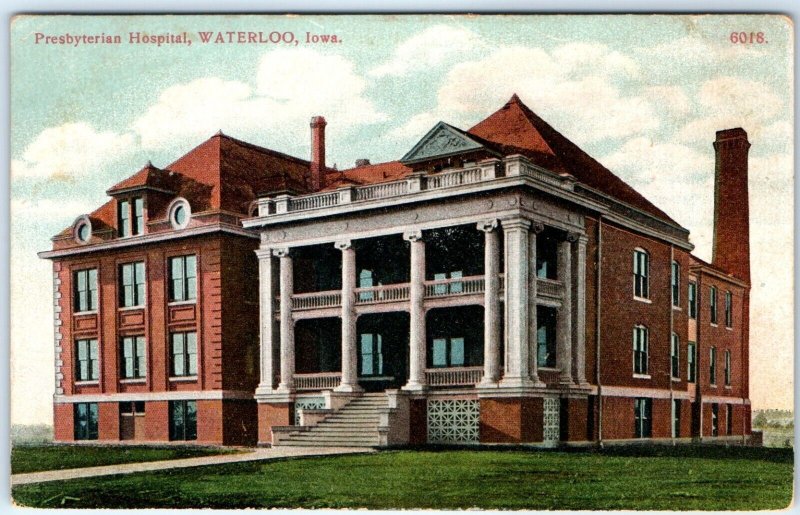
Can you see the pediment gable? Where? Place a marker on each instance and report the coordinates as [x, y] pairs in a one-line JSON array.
[[441, 141]]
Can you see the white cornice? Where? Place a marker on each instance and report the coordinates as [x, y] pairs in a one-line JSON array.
[[144, 239]]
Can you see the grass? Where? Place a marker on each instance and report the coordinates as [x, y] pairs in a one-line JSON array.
[[36, 458], [653, 478]]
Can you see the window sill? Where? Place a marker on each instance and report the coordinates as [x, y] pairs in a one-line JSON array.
[[84, 313], [182, 379], [642, 299], [713, 386], [181, 302], [130, 308], [728, 387], [642, 376], [714, 325], [548, 369], [93, 382], [728, 328], [676, 379], [677, 308], [137, 380]]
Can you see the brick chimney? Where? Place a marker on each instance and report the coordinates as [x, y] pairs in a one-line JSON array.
[[731, 206], [318, 124]]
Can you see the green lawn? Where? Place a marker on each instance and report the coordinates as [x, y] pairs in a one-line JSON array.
[[662, 478], [35, 458]]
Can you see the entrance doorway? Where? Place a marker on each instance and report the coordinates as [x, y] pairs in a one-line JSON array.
[[382, 351], [131, 420]]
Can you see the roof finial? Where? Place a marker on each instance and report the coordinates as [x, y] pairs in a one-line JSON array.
[[149, 164], [514, 99], [219, 133]]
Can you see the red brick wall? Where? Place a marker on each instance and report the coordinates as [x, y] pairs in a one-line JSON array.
[[574, 420], [156, 418], [63, 423], [418, 420], [617, 418], [209, 421], [239, 422], [272, 414], [108, 421], [662, 418], [511, 420]]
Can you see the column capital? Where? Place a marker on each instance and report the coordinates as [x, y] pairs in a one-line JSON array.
[[264, 252], [413, 235], [487, 225], [573, 236], [344, 244], [282, 252], [537, 227], [517, 223]]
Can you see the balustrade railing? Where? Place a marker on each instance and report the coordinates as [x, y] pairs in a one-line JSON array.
[[314, 201], [382, 190], [317, 381], [317, 299], [549, 288], [454, 376], [455, 286], [383, 293], [541, 174], [455, 178]]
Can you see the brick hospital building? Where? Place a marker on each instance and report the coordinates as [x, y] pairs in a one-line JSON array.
[[493, 285]]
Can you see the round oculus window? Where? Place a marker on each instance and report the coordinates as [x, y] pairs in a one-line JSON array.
[[179, 213], [83, 232]]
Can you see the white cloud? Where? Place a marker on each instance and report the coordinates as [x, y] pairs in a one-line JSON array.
[[581, 101], [51, 209], [291, 86], [71, 150], [434, 46]]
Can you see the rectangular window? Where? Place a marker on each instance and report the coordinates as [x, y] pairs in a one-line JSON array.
[[729, 419], [728, 309], [138, 216], [452, 287], [676, 284], [124, 218], [641, 274], [131, 408], [642, 410], [84, 290], [371, 354], [640, 350], [546, 336], [727, 368], [132, 355], [693, 300], [182, 278], [448, 352], [712, 364], [676, 418], [675, 356], [86, 416], [691, 362], [88, 364], [712, 293], [546, 258], [715, 419], [184, 354], [183, 420], [366, 280], [131, 290]]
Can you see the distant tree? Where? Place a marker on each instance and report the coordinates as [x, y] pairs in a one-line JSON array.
[[760, 420]]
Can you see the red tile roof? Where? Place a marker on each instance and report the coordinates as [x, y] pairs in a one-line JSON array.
[[516, 127], [367, 174]]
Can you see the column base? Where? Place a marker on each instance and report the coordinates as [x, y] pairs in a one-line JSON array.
[[414, 387], [488, 383], [348, 388], [519, 382], [285, 388], [264, 390]]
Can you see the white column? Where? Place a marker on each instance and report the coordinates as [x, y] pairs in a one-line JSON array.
[[268, 334], [491, 303], [416, 373], [349, 382], [533, 316], [579, 307], [286, 324], [564, 323], [517, 271]]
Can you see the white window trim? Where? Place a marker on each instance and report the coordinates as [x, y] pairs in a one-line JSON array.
[[79, 222], [173, 206], [636, 251]]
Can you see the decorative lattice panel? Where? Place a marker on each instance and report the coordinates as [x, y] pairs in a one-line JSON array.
[[307, 403], [453, 421], [550, 419]]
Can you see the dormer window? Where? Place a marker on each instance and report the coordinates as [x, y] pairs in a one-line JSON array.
[[82, 229], [130, 217], [179, 213]]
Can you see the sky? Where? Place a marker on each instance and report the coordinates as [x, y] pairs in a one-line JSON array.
[[642, 94]]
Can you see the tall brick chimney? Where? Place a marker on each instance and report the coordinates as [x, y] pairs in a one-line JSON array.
[[318, 124], [731, 206]]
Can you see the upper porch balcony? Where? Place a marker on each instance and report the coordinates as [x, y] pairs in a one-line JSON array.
[[415, 184]]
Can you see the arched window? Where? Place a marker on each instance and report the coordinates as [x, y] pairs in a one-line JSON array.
[[640, 350], [641, 274]]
